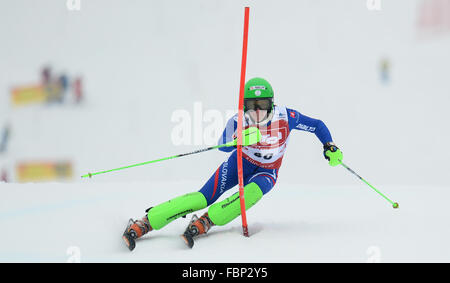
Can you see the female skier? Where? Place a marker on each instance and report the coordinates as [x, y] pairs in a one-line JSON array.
[[261, 162]]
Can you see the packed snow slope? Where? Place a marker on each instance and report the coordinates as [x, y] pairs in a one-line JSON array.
[[83, 222]]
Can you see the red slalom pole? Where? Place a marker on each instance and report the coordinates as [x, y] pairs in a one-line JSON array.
[[240, 122]]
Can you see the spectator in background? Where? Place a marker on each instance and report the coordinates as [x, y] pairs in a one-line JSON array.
[[4, 176], [77, 90], [56, 87], [47, 84], [4, 138], [63, 83], [53, 86], [46, 75], [385, 68]]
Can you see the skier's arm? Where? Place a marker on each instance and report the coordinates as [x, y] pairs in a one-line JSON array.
[[299, 121], [227, 134]]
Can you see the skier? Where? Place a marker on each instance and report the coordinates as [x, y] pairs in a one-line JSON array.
[[260, 163]]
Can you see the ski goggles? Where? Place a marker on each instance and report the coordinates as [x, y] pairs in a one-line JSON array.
[[258, 103]]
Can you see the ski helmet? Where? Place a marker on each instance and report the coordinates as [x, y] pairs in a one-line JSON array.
[[258, 94]]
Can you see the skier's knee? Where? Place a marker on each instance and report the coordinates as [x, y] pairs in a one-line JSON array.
[[225, 211], [264, 183]]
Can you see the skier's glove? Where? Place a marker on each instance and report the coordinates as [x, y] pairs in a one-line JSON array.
[[250, 136], [332, 153]]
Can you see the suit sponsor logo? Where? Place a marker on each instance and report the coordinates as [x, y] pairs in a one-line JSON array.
[[230, 202], [268, 139], [224, 177], [306, 128], [180, 214]]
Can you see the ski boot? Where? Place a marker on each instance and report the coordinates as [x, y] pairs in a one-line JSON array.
[[197, 226], [135, 229]]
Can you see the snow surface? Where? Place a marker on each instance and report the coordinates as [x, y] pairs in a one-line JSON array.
[[293, 223], [143, 60]]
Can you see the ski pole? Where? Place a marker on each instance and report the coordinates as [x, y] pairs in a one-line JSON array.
[[394, 204], [251, 135]]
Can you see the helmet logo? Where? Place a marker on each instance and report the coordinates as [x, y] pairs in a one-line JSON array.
[[258, 92], [257, 87]]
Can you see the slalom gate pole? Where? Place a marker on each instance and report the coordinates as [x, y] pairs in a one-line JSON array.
[[394, 204], [240, 122]]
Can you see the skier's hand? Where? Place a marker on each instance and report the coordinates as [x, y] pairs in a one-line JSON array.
[[332, 153], [250, 136]]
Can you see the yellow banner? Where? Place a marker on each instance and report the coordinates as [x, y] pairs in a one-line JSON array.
[[28, 95], [43, 171]]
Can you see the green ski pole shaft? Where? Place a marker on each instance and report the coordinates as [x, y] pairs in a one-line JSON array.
[[251, 136], [154, 161], [394, 204]]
